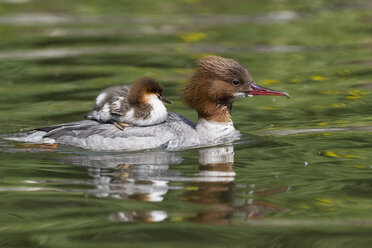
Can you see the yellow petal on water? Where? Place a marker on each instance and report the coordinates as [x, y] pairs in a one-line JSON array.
[[331, 154], [193, 37], [360, 166], [353, 97], [318, 77], [355, 94], [324, 134], [334, 155], [350, 156], [323, 202], [269, 82], [338, 105], [334, 122]]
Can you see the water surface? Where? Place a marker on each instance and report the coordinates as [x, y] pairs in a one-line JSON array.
[[301, 176]]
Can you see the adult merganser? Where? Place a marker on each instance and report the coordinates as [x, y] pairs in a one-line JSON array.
[[214, 86], [140, 104]]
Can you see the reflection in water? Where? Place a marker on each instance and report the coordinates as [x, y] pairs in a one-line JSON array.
[[147, 177], [217, 166], [142, 216], [141, 176]]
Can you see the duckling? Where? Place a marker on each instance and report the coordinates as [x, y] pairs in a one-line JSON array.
[[139, 104]]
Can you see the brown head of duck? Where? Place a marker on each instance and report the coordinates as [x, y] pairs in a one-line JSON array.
[[216, 83]]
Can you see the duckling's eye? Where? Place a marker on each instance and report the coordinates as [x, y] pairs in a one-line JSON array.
[[235, 82]]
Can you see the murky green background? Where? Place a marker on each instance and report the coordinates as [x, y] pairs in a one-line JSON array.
[[273, 189]]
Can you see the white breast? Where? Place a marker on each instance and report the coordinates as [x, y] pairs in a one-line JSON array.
[[208, 131], [158, 113]]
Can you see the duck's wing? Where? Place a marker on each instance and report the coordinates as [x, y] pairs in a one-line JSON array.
[[62, 125], [111, 96], [119, 103]]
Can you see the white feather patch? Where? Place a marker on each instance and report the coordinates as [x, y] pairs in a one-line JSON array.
[[158, 114], [100, 98]]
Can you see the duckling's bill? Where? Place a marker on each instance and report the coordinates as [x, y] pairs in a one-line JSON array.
[[163, 99]]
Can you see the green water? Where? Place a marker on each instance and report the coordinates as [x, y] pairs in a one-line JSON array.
[[311, 189]]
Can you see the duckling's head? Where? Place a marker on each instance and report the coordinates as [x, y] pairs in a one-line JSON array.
[[216, 83], [144, 89]]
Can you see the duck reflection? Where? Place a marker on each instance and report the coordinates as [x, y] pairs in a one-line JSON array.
[[216, 167], [142, 176], [149, 176]]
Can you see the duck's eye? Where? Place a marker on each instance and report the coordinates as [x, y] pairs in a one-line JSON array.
[[235, 82]]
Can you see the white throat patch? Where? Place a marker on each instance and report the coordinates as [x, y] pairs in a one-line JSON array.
[[238, 95], [158, 114]]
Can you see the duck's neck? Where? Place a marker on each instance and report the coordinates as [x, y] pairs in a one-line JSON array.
[[215, 120], [220, 113]]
